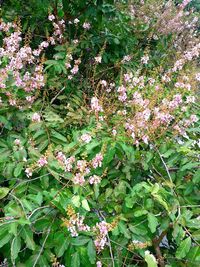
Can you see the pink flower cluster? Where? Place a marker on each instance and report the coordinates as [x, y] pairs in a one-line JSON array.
[[94, 179], [86, 138], [81, 168], [95, 106], [42, 161], [102, 230], [66, 162], [76, 224], [19, 58], [97, 161], [143, 116]]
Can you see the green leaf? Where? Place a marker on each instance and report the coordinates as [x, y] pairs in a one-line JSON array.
[[152, 222], [80, 240], [75, 260], [194, 254], [91, 252], [4, 235], [184, 248], [28, 237], [189, 166], [85, 204], [76, 201], [150, 259], [3, 192], [15, 248], [61, 245], [18, 169]]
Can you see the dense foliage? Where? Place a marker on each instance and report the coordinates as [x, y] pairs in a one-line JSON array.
[[99, 133]]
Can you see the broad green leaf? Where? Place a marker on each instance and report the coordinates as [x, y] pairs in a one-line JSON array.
[[28, 237], [18, 169], [85, 204], [184, 248], [194, 254], [3, 192], [15, 248], [91, 252], [152, 222], [150, 259], [75, 262], [61, 246], [76, 201], [80, 240], [4, 235]]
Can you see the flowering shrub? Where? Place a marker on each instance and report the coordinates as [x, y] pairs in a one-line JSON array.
[[99, 142]]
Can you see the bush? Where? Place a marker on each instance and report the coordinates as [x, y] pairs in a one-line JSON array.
[[99, 134]]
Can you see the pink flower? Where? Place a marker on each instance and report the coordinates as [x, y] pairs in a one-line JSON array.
[[75, 69], [51, 17], [95, 104], [99, 264], [86, 138], [42, 161], [68, 163], [86, 25], [190, 99], [36, 117], [94, 179], [97, 161], [81, 165], [126, 58], [79, 179]]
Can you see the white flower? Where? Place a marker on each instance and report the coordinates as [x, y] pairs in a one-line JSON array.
[[144, 59], [17, 142], [98, 59], [76, 21]]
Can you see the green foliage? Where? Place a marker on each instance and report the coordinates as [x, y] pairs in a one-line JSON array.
[[148, 193]]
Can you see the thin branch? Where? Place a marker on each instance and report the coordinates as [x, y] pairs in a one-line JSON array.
[[57, 95], [42, 248], [165, 165]]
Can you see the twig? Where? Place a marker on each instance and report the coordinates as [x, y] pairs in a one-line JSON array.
[[44, 207], [48, 232], [29, 180], [57, 95], [19, 203], [109, 243], [165, 165]]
